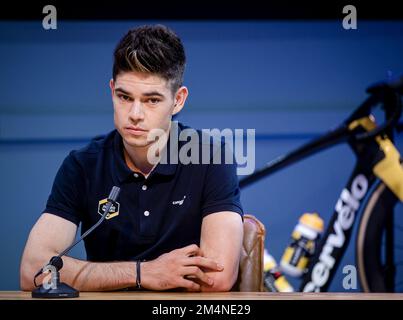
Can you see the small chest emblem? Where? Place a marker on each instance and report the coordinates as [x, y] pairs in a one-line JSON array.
[[113, 211], [179, 202]]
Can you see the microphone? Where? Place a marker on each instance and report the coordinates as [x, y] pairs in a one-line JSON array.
[[55, 288]]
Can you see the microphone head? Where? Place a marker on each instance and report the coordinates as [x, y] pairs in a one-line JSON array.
[[57, 262]]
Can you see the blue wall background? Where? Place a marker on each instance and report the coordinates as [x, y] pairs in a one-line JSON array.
[[289, 80]]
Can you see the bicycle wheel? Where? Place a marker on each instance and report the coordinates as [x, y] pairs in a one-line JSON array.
[[370, 244]]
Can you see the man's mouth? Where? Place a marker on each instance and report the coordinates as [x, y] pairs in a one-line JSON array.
[[135, 130]]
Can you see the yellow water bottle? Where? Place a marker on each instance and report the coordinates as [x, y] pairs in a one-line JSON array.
[[303, 242], [274, 280]]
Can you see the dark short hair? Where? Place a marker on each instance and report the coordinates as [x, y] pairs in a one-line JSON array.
[[154, 49]]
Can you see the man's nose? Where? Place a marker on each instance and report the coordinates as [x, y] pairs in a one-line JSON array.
[[137, 111]]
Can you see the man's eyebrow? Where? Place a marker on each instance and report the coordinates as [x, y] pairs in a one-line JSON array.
[[153, 93], [123, 91]]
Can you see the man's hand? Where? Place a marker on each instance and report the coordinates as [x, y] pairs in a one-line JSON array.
[[175, 269]]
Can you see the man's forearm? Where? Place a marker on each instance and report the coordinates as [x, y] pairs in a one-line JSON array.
[[97, 276]]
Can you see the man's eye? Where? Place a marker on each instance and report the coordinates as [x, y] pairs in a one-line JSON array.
[[124, 97], [153, 100]]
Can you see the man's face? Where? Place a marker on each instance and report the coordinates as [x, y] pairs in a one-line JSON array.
[[143, 102]]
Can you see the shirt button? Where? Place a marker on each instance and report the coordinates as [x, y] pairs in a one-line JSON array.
[[146, 213], [144, 187], [136, 175]]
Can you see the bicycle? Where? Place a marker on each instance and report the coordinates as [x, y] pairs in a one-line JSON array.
[[377, 177]]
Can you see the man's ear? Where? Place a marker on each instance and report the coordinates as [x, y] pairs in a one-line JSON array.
[[112, 85], [180, 98]]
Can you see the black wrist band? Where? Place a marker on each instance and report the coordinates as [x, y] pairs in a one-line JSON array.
[[138, 276]]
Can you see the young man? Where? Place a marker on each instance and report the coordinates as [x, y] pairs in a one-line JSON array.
[[183, 221]]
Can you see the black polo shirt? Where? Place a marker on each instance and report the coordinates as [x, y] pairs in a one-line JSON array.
[[152, 216]]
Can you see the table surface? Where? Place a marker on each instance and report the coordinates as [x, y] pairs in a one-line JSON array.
[[144, 295]]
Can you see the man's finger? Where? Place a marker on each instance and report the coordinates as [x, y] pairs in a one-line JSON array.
[[204, 263], [193, 271], [190, 285], [192, 250]]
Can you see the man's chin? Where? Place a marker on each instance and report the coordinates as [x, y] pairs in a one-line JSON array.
[[135, 142]]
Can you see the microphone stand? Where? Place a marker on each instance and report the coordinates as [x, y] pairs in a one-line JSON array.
[[55, 288]]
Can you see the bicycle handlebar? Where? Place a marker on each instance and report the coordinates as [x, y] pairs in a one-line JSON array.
[[386, 92], [395, 84]]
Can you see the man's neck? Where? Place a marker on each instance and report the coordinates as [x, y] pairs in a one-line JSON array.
[[137, 158]]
